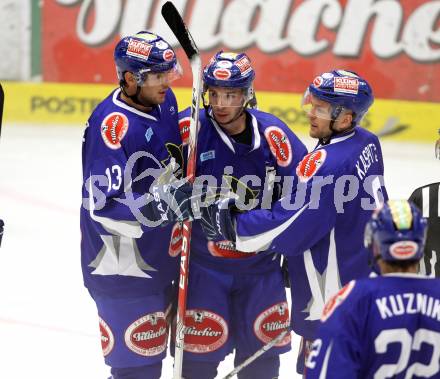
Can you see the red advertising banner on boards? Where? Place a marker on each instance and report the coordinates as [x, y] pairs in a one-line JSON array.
[[394, 44]]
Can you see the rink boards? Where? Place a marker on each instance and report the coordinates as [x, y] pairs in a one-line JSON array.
[[52, 103]]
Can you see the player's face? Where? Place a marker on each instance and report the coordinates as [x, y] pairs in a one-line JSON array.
[[152, 90], [155, 87], [153, 95], [226, 103], [320, 119]]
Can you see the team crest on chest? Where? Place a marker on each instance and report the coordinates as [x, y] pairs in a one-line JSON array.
[[113, 129], [310, 165], [279, 145]]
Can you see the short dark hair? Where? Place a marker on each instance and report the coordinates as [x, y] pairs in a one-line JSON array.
[[403, 265]]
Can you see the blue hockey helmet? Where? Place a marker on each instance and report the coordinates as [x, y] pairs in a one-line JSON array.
[[227, 69], [343, 90], [396, 232], [145, 53], [230, 70]]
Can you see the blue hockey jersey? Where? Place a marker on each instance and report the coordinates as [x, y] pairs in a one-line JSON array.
[[248, 171], [386, 327], [320, 228], [124, 151]]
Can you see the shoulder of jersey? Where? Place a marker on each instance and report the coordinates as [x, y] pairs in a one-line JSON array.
[[364, 133], [417, 190], [170, 95], [266, 119], [336, 300]]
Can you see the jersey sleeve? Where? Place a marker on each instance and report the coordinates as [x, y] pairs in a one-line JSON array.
[[296, 221], [287, 230]]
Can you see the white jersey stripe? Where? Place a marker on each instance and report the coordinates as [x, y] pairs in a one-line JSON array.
[[425, 201], [323, 374], [262, 241]]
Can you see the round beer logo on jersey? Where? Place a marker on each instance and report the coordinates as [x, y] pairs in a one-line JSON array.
[[147, 336], [279, 145], [184, 129], [336, 300], [403, 250], [272, 322], [176, 241], [310, 165], [107, 339], [168, 55], [113, 129], [205, 331], [222, 73]]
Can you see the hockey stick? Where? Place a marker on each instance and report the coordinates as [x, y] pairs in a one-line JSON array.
[[178, 27], [253, 357], [2, 101], [253, 102]]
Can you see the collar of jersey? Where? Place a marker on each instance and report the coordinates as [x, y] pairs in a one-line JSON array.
[[228, 141], [406, 275], [121, 104], [338, 139]]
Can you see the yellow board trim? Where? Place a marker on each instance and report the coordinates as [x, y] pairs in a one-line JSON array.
[[53, 103]]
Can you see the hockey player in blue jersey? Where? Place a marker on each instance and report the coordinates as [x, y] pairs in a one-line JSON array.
[[236, 303], [131, 145], [388, 326], [320, 226]]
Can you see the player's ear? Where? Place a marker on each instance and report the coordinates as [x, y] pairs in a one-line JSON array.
[[129, 78], [347, 119]]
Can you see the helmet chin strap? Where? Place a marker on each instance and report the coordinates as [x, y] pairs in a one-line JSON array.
[[334, 133], [236, 117], [134, 98]]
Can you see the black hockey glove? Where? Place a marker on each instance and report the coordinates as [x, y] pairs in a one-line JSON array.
[[218, 221], [169, 203]]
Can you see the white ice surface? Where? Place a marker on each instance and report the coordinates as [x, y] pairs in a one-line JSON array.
[[48, 325]]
